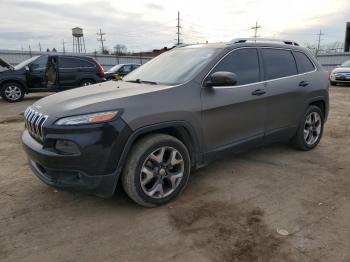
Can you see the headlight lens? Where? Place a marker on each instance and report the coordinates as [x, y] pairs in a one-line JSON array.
[[87, 119]]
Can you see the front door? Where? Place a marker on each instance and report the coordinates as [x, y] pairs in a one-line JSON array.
[[36, 75], [235, 114]]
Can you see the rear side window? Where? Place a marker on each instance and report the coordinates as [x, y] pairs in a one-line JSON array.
[[278, 63], [303, 62], [71, 62], [244, 63]]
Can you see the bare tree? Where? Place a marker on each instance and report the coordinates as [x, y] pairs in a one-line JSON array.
[[119, 49]]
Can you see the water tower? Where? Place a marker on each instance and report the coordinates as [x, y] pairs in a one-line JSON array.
[[78, 40]]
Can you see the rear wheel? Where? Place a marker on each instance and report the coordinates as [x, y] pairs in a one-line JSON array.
[[12, 92], [310, 129], [87, 82], [157, 170]]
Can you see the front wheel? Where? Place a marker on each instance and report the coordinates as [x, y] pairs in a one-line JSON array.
[[12, 92], [157, 170], [310, 129]]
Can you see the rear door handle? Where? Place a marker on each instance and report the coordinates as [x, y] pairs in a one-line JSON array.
[[303, 83], [258, 92]]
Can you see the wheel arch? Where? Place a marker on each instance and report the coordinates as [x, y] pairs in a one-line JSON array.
[[178, 129], [6, 81], [321, 104]]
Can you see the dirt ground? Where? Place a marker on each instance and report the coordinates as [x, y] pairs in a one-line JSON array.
[[232, 210]]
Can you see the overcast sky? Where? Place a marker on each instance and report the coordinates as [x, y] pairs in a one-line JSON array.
[[146, 24]]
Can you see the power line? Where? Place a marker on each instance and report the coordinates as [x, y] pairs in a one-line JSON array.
[[256, 28], [178, 28], [63, 46], [101, 39], [319, 42]]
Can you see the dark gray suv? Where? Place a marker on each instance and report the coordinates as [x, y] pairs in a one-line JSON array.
[[175, 114]]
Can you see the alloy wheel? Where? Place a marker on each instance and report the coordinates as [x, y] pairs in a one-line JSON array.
[[162, 172], [13, 92], [312, 128]]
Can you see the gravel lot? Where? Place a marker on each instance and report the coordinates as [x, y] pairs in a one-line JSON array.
[[230, 211]]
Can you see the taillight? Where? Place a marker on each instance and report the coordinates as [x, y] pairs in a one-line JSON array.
[[101, 71]]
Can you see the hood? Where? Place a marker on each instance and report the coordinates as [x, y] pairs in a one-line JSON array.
[[111, 95], [3, 63], [341, 70]]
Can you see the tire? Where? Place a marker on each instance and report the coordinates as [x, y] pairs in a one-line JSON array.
[[155, 154], [310, 129], [87, 82], [12, 92], [333, 83]]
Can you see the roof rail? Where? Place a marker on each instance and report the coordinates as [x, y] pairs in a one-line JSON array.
[[244, 40]]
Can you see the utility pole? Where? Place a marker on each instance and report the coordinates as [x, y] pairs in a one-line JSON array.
[[30, 51], [63, 46], [101, 39], [39, 46], [256, 28], [178, 28], [319, 42]]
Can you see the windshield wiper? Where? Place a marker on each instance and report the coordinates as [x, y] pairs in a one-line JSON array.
[[139, 81]]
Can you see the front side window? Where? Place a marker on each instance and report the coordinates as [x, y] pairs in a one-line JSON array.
[[126, 69], [278, 63], [40, 63], [304, 63], [244, 63]]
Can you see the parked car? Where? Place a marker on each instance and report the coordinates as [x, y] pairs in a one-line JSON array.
[[341, 74], [48, 73], [117, 72], [174, 114]]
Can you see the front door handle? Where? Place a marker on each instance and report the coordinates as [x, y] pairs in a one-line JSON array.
[[258, 92], [303, 83]]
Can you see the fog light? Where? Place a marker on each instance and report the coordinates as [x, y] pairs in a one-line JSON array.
[[67, 147]]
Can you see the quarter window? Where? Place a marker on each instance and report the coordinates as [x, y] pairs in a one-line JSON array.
[[278, 63], [303, 62], [71, 62], [244, 63]]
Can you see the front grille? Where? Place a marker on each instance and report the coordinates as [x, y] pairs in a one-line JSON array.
[[34, 122]]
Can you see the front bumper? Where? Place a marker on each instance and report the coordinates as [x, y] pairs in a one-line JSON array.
[[93, 170]]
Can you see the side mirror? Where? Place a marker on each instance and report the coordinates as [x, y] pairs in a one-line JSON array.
[[27, 68], [222, 78]]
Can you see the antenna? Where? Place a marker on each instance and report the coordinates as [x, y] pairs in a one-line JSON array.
[[101, 39]]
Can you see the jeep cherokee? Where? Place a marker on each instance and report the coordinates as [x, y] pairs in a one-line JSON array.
[[175, 114]]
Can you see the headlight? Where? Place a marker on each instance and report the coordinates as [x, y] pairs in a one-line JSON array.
[[87, 119]]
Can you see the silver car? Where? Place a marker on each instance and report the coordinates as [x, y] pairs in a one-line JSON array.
[[341, 74]]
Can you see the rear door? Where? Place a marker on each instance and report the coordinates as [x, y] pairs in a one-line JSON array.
[[235, 114], [285, 92], [72, 70], [67, 72]]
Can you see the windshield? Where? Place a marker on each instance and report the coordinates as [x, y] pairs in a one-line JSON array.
[[25, 63], [173, 67], [114, 69], [346, 64]]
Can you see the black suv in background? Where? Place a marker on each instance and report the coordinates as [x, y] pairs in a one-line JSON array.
[[176, 113], [48, 73]]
